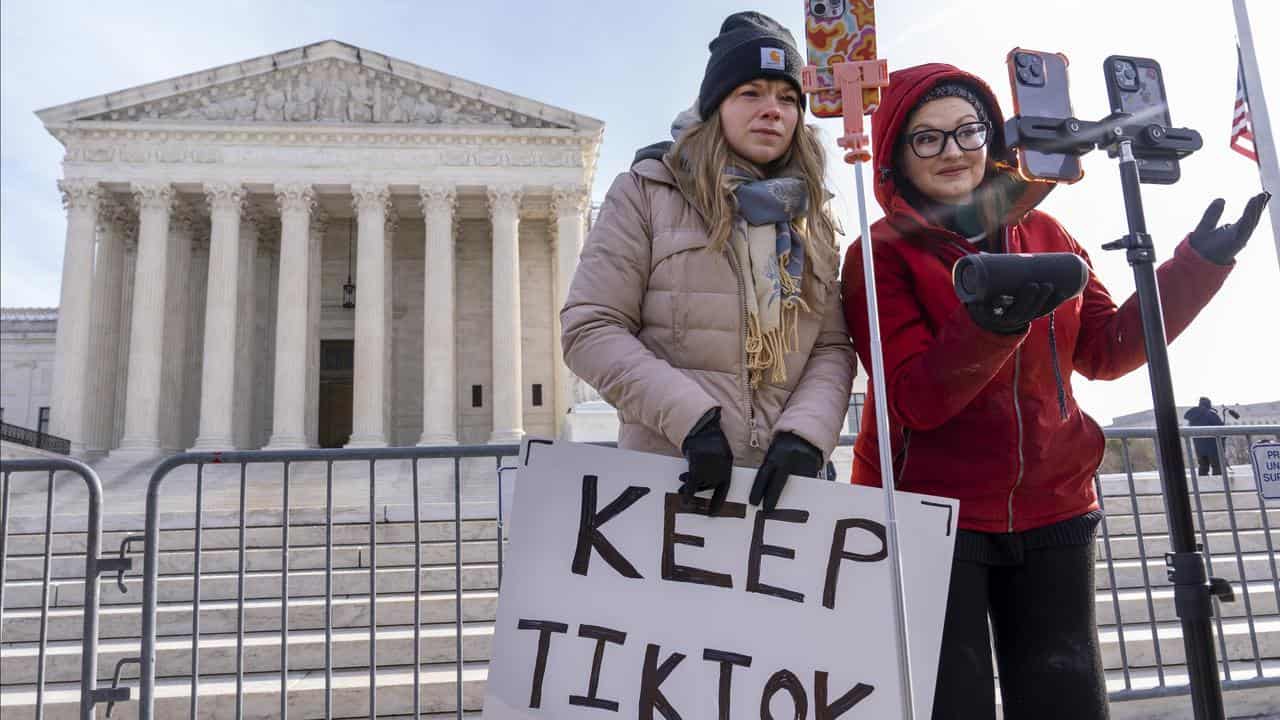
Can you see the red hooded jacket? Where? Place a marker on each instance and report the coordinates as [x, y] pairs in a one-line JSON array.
[[976, 415]]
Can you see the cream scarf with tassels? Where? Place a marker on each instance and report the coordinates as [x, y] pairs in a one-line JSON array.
[[773, 257]]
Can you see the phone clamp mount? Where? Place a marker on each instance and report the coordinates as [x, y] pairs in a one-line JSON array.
[[1072, 136], [1121, 135], [851, 78]]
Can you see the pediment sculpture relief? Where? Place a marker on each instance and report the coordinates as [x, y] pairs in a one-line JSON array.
[[329, 91]]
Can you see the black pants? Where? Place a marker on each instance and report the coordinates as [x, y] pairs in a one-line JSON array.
[[1209, 461], [1046, 642]]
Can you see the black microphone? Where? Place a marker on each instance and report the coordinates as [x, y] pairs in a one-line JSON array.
[[985, 276]]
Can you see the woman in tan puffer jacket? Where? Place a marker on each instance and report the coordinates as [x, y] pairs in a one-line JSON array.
[[705, 306]]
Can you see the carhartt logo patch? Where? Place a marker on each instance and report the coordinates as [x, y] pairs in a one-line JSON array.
[[772, 59]]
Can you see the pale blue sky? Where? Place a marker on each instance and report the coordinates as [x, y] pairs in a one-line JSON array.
[[634, 65]]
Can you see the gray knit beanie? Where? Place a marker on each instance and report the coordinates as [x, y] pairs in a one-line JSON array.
[[964, 91]]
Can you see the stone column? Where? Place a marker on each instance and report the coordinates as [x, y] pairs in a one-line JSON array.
[[290, 409], [251, 225], [267, 282], [439, 349], [569, 204], [368, 427], [198, 300], [146, 332], [108, 288], [315, 275], [222, 308], [508, 388], [182, 226], [389, 230], [71, 354], [129, 234]]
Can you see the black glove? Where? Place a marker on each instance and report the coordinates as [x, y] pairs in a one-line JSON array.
[[789, 454], [1012, 314], [1220, 244], [710, 460]]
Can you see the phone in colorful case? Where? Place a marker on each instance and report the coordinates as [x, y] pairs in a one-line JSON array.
[[1135, 85], [1041, 89], [839, 31]]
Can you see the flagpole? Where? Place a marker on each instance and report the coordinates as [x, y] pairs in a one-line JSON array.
[[1259, 121]]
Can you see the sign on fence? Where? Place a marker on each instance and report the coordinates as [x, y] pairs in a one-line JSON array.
[[1266, 469], [617, 597]]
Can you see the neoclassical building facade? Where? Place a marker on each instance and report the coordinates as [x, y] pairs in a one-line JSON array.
[[216, 223]]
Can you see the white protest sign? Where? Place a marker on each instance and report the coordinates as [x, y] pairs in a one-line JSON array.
[[618, 601], [1266, 469]]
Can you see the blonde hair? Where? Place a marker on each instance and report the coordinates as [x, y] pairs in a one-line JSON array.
[[702, 155]]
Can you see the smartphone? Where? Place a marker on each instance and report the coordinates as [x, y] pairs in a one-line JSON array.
[[1135, 85], [1040, 89], [838, 31]]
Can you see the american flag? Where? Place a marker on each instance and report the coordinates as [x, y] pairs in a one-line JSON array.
[[1241, 135]]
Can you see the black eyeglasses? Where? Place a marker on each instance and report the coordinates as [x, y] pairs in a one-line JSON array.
[[930, 143]]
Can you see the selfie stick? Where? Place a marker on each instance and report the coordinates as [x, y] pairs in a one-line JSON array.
[[1132, 138], [851, 78]]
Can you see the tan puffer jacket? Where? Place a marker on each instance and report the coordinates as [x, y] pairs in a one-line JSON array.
[[656, 322]]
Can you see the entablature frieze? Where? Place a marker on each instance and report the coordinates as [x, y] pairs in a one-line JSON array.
[[99, 143]]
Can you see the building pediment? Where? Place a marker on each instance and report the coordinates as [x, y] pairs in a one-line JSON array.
[[328, 83]]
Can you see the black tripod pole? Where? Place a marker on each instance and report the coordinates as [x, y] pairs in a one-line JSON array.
[[1192, 588]]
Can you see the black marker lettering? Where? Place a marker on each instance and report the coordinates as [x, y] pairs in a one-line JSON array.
[[544, 628], [838, 553], [589, 535], [651, 697], [784, 680], [601, 635], [759, 549], [842, 704], [727, 660], [677, 504]]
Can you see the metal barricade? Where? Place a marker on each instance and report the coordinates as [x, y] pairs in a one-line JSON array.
[[94, 567], [1142, 646], [161, 480], [1236, 532]]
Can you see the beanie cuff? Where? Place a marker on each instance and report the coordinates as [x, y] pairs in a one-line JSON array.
[[766, 57]]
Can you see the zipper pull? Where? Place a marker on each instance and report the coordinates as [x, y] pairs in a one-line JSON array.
[[755, 435]]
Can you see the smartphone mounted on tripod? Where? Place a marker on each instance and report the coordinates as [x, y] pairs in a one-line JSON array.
[[1135, 85], [1041, 89]]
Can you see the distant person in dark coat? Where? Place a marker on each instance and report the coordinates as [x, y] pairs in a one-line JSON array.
[[1206, 447]]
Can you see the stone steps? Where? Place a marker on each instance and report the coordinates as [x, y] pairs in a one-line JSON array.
[[222, 585], [1140, 650], [1123, 504], [262, 652], [1128, 573], [258, 559], [262, 694], [1218, 543], [347, 556], [120, 621], [228, 538], [266, 584], [1248, 704], [1133, 603], [220, 616], [1214, 521], [350, 649]]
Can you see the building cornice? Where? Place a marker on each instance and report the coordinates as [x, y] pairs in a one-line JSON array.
[[327, 50]]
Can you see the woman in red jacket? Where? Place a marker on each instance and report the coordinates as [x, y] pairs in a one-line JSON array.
[[979, 396]]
